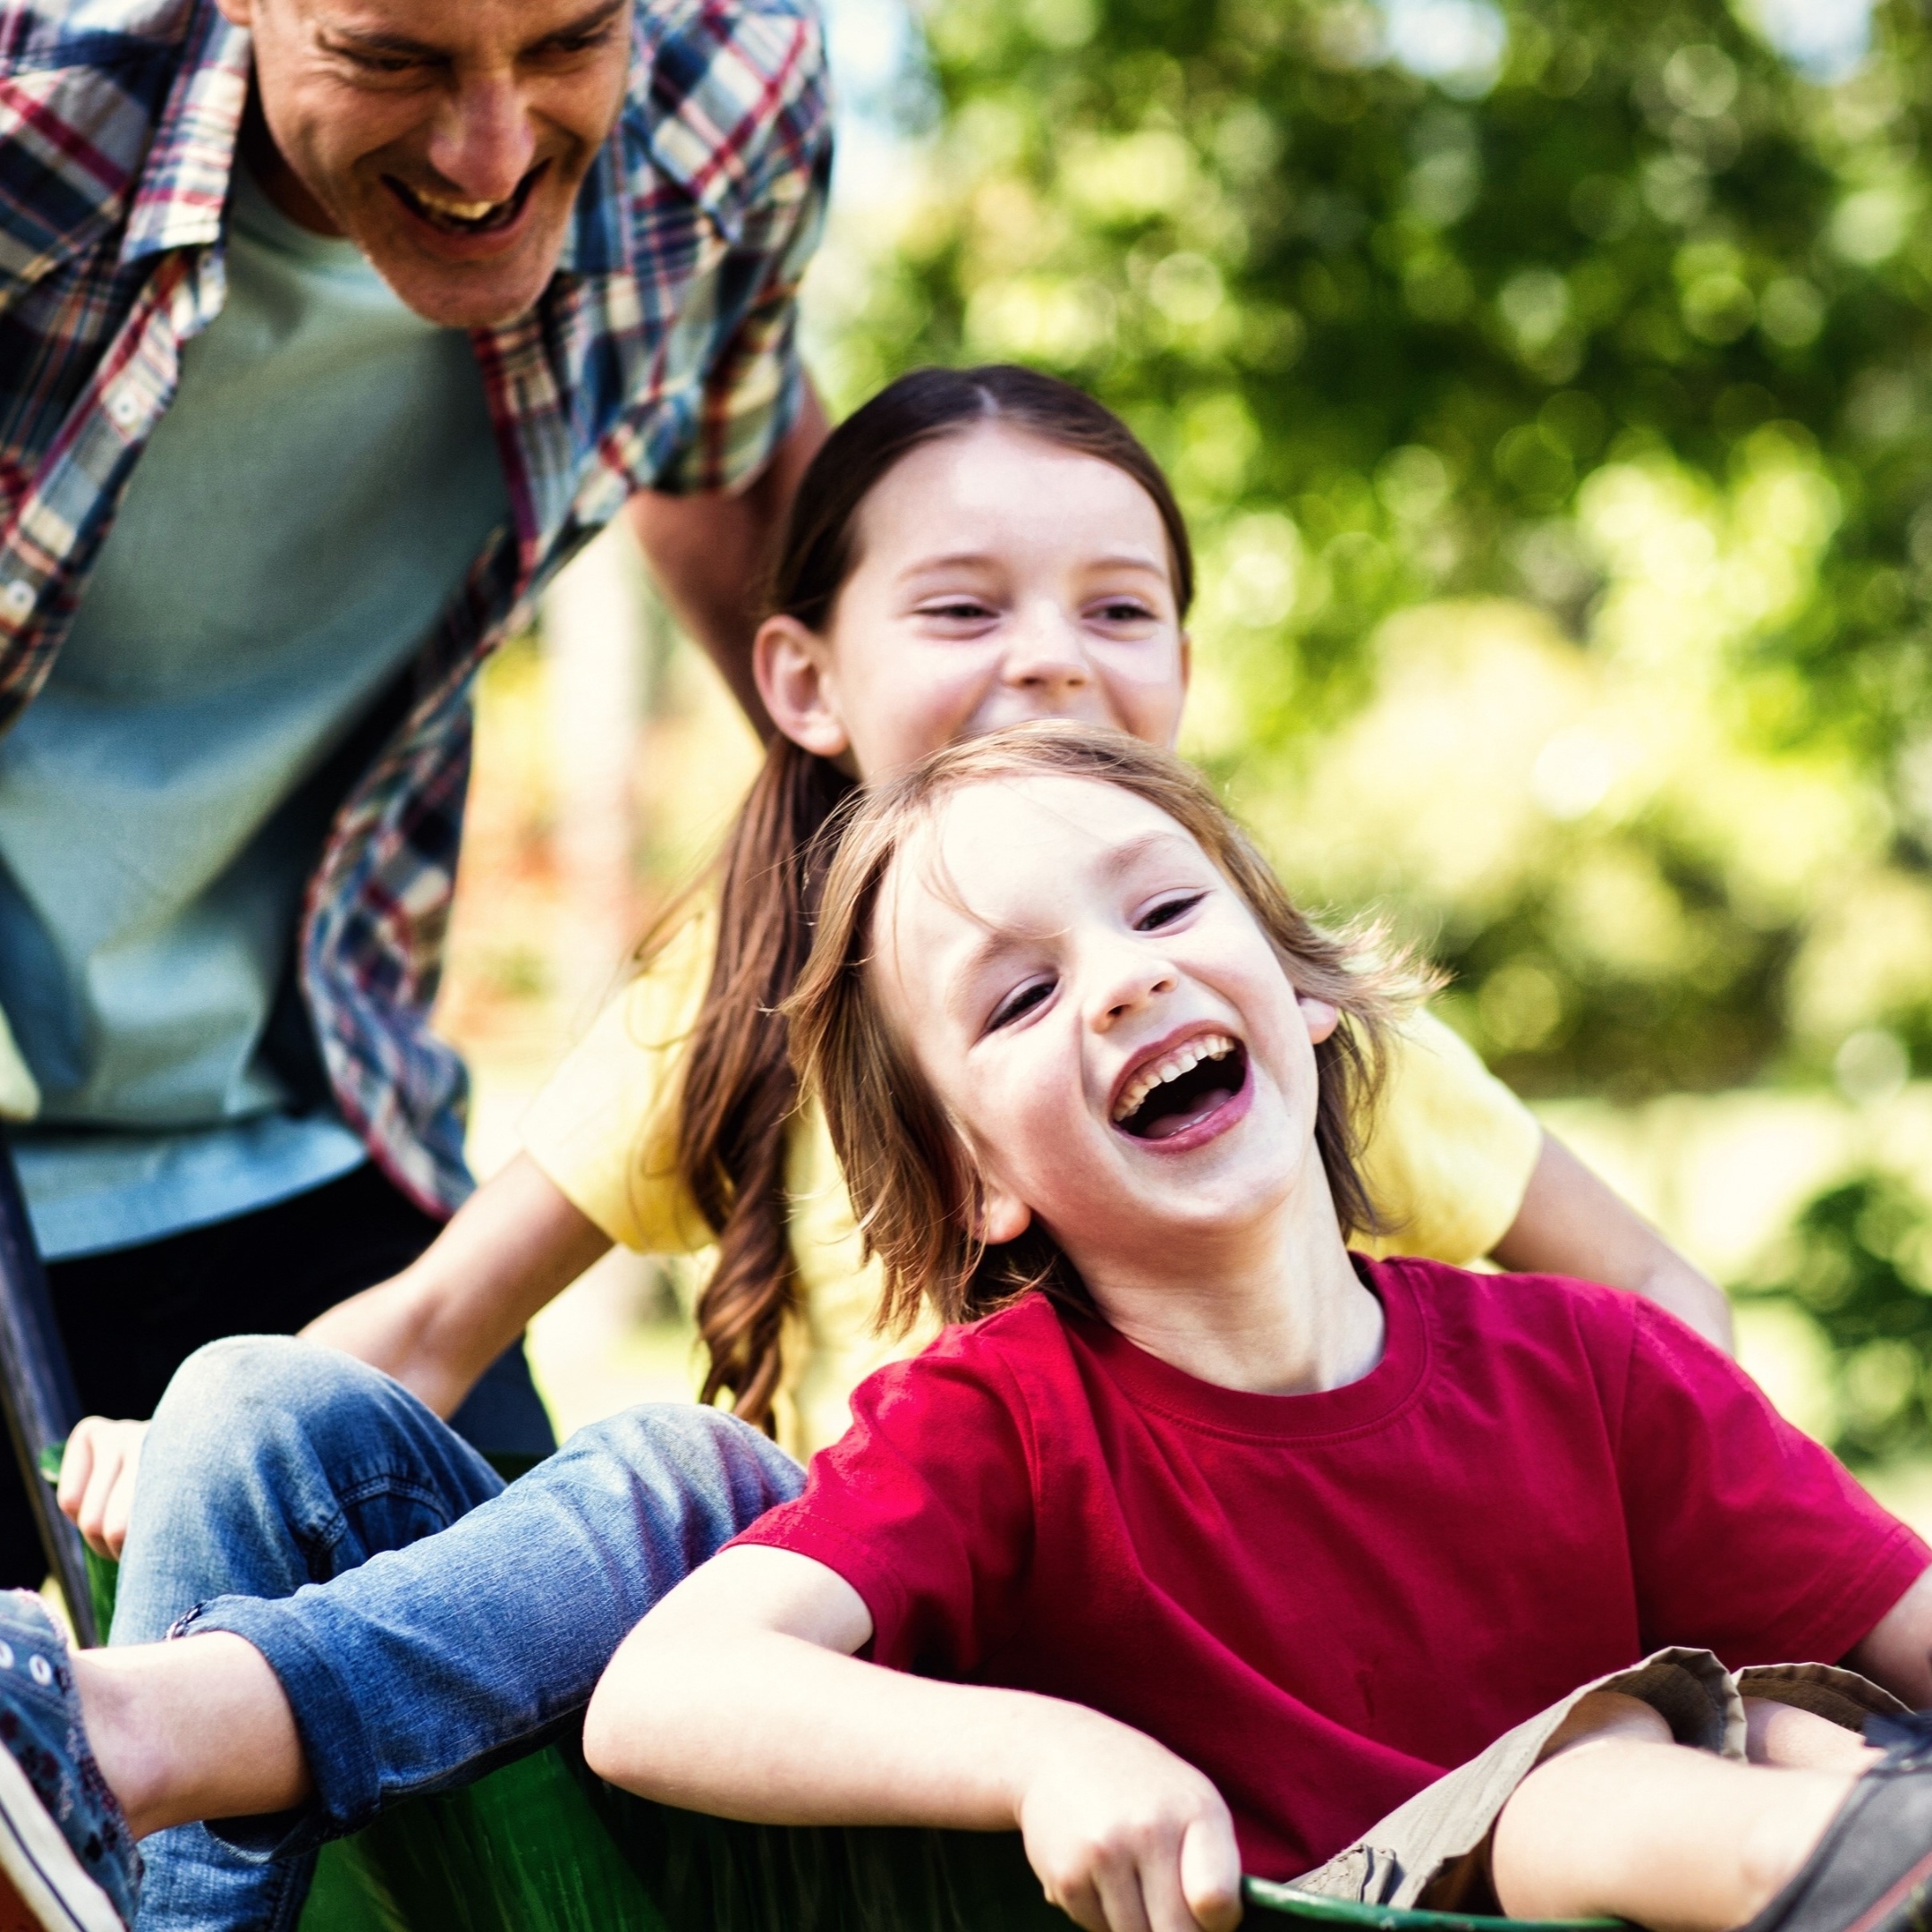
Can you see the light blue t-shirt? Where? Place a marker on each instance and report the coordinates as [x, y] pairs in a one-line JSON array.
[[308, 506]]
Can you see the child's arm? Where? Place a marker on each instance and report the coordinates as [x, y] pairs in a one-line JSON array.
[[739, 1695], [1571, 1223], [1898, 1653], [510, 1249], [514, 1246]]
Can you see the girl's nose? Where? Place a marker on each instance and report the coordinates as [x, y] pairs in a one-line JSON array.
[[1048, 653]]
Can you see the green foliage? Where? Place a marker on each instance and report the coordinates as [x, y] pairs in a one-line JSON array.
[[1630, 329], [1858, 1263]]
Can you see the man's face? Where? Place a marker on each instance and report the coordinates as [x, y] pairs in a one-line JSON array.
[[445, 137]]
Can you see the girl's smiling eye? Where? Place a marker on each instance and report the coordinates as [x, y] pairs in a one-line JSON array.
[[957, 610], [1165, 911], [1018, 1004], [1124, 610]]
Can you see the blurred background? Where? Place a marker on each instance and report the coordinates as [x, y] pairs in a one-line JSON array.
[[1548, 386]]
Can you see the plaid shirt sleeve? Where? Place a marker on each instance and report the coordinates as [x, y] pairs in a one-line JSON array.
[[753, 138]]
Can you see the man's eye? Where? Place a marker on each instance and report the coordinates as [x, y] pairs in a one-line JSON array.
[[1167, 911], [1018, 1004], [384, 63], [567, 45]]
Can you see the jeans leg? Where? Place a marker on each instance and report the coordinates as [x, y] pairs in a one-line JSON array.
[[428, 1664], [272, 1463]]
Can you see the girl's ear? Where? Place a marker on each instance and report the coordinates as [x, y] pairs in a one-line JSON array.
[[1003, 1218], [1321, 1018], [793, 666]]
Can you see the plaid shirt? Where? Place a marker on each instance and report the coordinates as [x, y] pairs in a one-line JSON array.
[[662, 355]]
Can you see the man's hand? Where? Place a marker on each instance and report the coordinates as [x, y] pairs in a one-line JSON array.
[[1124, 1836], [97, 1480], [710, 554]]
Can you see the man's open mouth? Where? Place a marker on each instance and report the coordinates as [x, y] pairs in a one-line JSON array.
[[1181, 1088], [454, 215]]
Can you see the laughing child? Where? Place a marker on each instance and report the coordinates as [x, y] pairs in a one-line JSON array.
[[1201, 1545]]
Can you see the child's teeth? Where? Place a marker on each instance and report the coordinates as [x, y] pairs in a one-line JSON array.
[[1208, 1046]]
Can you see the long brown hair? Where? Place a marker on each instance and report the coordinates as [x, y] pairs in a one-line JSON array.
[[913, 1182], [740, 1091]]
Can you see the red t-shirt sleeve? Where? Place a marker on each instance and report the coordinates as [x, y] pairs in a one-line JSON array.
[[1746, 1536], [925, 1506]]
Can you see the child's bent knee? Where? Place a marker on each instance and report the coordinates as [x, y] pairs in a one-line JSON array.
[[1601, 1714]]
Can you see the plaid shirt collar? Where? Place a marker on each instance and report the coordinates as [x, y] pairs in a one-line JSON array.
[[184, 184]]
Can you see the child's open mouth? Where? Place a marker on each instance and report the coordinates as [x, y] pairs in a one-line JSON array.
[[454, 215], [1183, 1088]]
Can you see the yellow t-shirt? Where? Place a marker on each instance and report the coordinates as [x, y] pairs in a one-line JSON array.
[[1447, 1163]]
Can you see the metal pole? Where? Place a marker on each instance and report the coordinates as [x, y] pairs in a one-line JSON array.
[[36, 1390]]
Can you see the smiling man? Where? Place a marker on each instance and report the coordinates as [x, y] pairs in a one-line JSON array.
[[329, 329]]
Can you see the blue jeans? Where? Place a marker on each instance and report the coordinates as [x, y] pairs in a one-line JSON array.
[[426, 1622]]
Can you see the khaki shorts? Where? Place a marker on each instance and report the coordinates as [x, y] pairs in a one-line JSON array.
[[1435, 1849]]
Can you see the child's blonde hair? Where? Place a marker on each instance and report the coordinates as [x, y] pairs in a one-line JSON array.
[[914, 1186]]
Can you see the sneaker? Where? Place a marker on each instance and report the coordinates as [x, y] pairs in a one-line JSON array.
[[67, 1859], [1872, 1869]]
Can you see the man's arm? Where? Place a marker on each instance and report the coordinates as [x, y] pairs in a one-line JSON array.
[[709, 552]]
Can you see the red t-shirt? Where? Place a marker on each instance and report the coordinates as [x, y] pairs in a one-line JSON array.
[[1325, 1601]]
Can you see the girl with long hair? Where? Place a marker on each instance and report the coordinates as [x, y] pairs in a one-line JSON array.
[[972, 548]]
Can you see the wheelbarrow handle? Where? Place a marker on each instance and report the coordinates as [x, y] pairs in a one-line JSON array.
[[36, 1390]]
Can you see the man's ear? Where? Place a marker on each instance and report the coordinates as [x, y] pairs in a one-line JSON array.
[[791, 666], [1003, 1218], [1322, 1019]]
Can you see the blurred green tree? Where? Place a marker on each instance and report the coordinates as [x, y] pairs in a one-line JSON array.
[[1607, 311], [1857, 1264]]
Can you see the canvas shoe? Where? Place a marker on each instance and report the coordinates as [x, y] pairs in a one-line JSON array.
[[1872, 1870], [67, 1859]]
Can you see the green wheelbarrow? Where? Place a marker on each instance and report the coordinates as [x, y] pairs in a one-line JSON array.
[[541, 1844]]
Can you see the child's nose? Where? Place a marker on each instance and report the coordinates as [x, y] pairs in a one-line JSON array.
[[1126, 977], [1047, 652]]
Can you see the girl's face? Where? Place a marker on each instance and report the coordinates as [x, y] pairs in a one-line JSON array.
[[997, 578], [1105, 1022]]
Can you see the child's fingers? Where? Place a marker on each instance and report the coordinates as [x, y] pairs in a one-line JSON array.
[[1080, 1901], [96, 1485], [120, 1504], [1210, 1873], [75, 1465], [92, 1517], [1120, 1884]]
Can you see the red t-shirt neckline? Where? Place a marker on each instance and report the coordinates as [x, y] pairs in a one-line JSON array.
[[1322, 1415]]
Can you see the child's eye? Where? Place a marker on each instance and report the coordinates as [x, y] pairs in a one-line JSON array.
[[1124, 610], [1167, 911], [958, 610], [1017, 1004]]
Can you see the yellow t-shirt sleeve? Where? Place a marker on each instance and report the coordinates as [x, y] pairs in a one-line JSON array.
[[605, 1127], [1451, 1151]]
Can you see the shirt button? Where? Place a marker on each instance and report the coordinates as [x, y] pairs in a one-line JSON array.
[[18, 597], [124, 408]]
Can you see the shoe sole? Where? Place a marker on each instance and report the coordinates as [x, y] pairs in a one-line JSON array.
[[42, 1883]]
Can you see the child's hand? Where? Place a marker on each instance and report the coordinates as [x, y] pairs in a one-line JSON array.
[[97, 1479], [1125, 1836]]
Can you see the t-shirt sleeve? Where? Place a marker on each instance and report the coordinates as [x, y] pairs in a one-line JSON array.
[[605, 1127], [925, 1507], [770, 186], [1746, 1536], [1451, 1150]]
